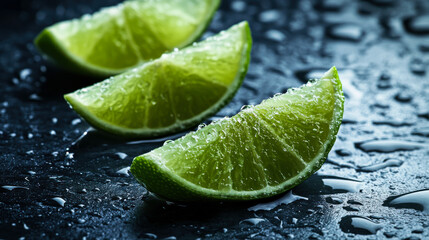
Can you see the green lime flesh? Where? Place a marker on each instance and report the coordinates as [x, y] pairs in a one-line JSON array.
[[171, 93], [124, 36], [260, 152]]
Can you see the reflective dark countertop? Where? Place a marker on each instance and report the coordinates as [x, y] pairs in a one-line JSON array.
[[60, 179]]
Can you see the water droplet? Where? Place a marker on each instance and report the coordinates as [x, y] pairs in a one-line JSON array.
[[10, 188], [417, 24], [284, 200], [275, 35], [253, 221], [201, 126], [393, 123], [417, 66], [343, 152], [35, 97], [244, 107], [69, 155], [54, 120], [378, 166], [30, 152], [346, 31], [403, 97], [121, 155], [423, 131], [59, 201], [24, 73], [334, 200], [31, 172], [388, 146], [124, 171], [76, 121], [359, 225], [339, 185], [52, 132], [150, 236], [167, 142], [418, 200], [351, 209], [238, 6], [269, 16]]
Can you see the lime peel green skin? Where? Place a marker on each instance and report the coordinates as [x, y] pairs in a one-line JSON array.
[[51, 47], [133, 133], [168, 185]]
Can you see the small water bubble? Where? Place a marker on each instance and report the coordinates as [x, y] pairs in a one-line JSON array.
[[10, 188], [54, 153], [417, 66], [59, 201], [30, 152], [52, 133], [54, 120], [167, 142], [278, 94], [244, 107], [339, 185], [201, 126], [417, 24], [403, 97], [275, 35], [31, 172], [351, 209], [269, 16], [15, 81], [35, 97], [121, 155], [76, 121], [253, 221], [334, 200], [346, 31], [69, 155], [238, 6], [124, 171], [24, 73], [283, 200]]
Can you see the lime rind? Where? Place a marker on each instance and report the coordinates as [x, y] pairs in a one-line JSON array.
[[53, 48], [149, 169], [124, 132]]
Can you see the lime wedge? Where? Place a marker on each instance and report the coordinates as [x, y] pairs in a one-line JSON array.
[[260, 152], [171, 93], [118, 38]]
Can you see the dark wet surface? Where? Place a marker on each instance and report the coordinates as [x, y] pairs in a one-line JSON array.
[[54, 185]]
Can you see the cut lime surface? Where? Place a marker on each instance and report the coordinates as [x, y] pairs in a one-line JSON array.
[[118, 38], [171, 93], [260, 152]]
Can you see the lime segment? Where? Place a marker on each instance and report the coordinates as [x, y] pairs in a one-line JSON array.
[[171, 93], [118, 38], [260, 152]]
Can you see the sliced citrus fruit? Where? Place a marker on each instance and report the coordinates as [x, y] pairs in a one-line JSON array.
[[171, 93], [260, 152], [124, 36]]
